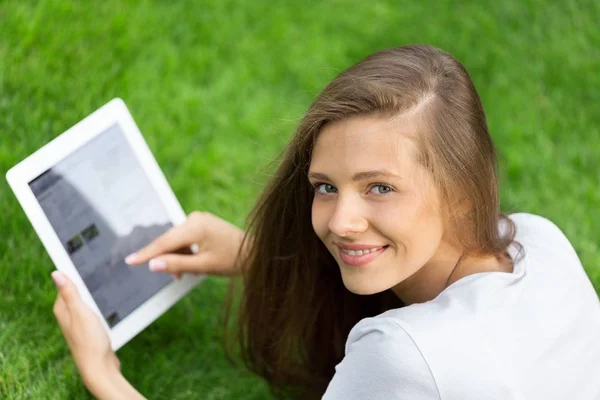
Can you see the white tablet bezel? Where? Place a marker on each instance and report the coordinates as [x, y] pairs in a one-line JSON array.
[[114, 112]]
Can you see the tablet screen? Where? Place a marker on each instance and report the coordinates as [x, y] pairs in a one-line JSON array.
[[102, 206]]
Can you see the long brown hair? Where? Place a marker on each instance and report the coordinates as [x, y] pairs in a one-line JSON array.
[[295, 312]]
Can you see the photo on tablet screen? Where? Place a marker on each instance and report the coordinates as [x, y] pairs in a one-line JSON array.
[[103, 207]]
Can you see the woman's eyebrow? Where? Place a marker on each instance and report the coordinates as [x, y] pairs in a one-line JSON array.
[[359, 176]]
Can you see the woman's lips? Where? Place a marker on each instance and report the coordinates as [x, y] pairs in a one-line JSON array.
[[362, 259]]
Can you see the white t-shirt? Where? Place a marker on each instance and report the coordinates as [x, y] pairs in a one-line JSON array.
[[527, 335]]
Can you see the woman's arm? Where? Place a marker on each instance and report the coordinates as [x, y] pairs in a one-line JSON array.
[[112, 386]]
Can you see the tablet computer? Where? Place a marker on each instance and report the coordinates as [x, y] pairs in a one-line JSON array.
[[94, 195]]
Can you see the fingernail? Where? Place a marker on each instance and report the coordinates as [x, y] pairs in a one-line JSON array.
[[59, 279], [132, 258], [157, 265]]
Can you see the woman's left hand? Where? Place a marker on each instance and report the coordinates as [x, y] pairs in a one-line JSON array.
[[84, 333]]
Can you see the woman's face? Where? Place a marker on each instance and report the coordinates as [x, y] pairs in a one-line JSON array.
[[375, 208]]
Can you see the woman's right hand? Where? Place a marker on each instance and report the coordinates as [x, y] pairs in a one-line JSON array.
[[217, 241]]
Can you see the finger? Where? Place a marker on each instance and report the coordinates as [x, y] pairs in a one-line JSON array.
[[67, 291], [176, 239], [61, 313], [176, 264]]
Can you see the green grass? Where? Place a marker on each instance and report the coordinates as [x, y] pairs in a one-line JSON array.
[[217, 88]]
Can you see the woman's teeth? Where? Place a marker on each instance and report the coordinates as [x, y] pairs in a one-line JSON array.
[[361, 252]]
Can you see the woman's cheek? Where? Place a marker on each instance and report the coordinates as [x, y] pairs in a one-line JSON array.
[[397, 214]]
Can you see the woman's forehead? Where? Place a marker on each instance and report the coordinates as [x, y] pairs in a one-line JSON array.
[[364, 143]]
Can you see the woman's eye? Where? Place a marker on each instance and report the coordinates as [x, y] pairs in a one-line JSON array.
[[325, 188], [381, 189]]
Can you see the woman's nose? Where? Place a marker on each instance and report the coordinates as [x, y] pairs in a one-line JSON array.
[[348, 218]]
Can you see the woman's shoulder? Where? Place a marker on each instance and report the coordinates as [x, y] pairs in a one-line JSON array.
[[384, 328], [537, 228], [382, 361], [384, 337], [543, 237]]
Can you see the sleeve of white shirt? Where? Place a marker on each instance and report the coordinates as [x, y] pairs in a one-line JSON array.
[[382, 362]]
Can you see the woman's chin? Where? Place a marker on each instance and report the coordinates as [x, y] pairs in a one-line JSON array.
[[365, 287]]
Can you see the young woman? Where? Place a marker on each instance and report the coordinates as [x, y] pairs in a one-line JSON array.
[[377, 263]]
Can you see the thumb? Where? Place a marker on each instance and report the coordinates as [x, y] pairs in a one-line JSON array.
[[67, 290]]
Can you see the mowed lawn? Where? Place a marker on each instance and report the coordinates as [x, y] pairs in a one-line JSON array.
[[217, 88]]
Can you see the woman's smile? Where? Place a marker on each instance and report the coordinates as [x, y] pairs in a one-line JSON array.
[[358, 255]]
